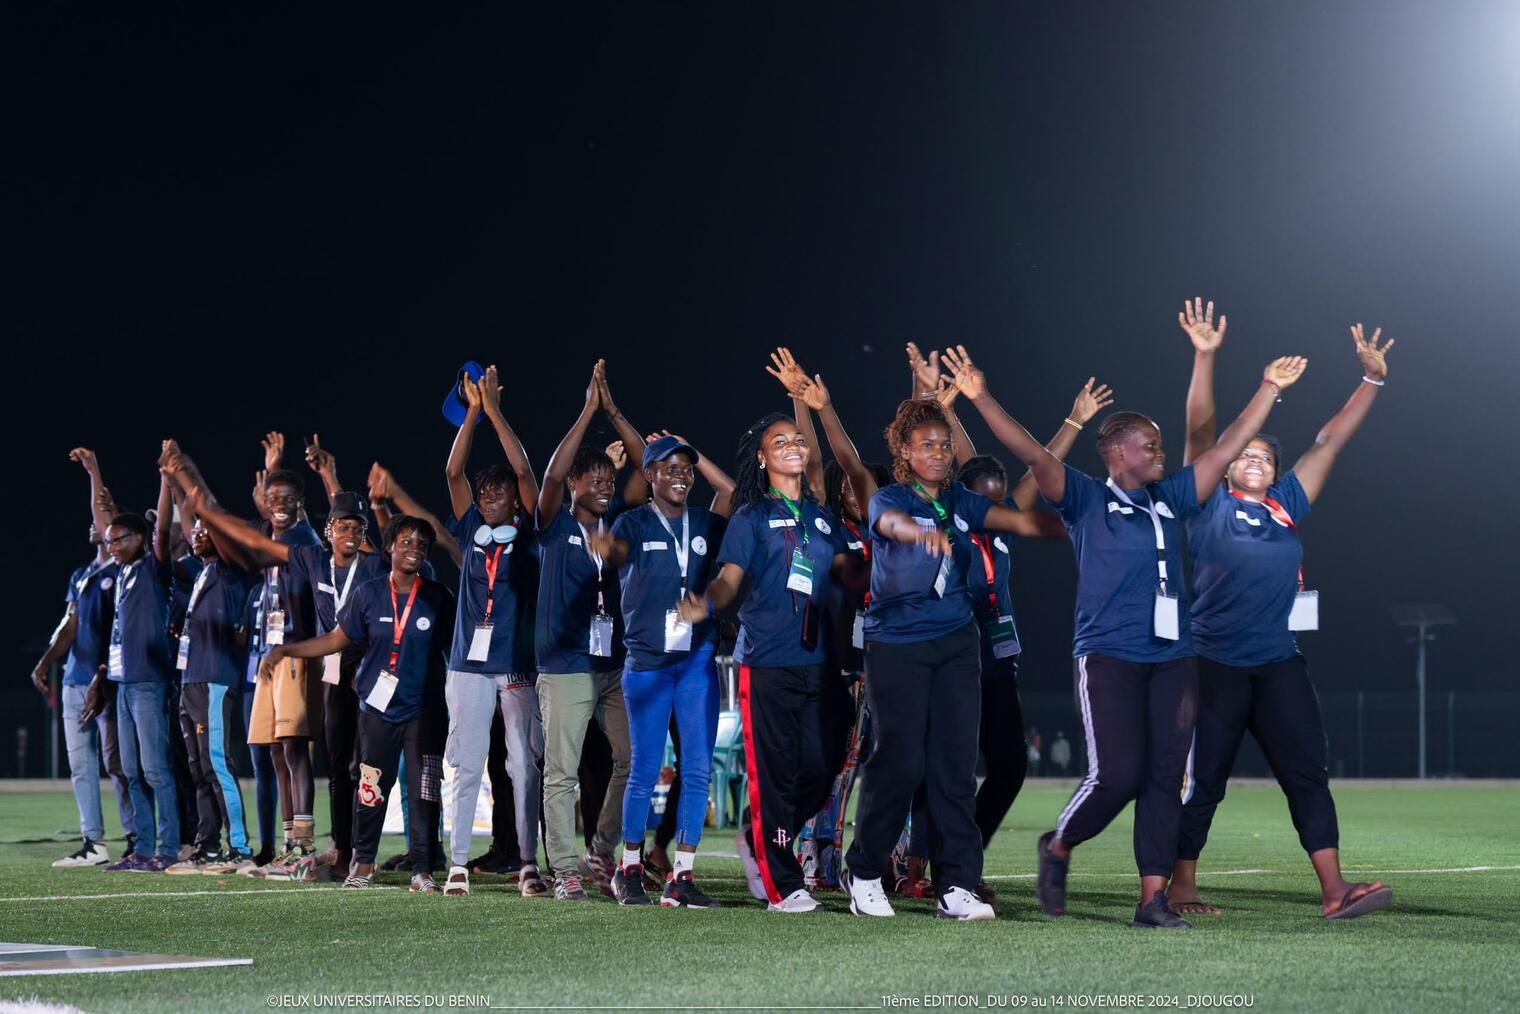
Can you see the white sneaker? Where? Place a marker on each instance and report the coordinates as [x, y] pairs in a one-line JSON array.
[[798, 901], [959, 903], [751, 868], [866, 896], [91, 853]]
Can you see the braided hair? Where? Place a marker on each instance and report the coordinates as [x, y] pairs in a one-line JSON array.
[[1117, 426], [911, 414], [751, 484]]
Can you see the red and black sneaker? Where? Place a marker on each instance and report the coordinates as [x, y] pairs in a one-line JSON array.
[[628, 885], [682, 892]]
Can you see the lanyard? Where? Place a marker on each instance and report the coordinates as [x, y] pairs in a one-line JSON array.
[[94, 568], [493, 560], [865, 551], [795, 509], [596, 558], [332, 568], [983, 543], [683, 547], [125, 579], [1281, 516], [939, 508], [272, 586], [398, 623], [196, 592], [1155, 520]]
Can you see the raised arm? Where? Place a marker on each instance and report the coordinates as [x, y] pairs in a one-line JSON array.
[[383, 487], [1049, 473], [960, 441], [321, 461], [785, 369], [261, 550], [1314, 467], [102, 506], [460, 494], [816, 396], [163, 521], [1211, 465], [552, 496], [719, 480], [1089, 402], [1197, 321], [636, 490], [517, 456]]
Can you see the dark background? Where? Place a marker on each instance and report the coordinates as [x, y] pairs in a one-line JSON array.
[[220, 227]]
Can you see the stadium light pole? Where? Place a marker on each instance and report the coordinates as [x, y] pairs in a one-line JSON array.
[[1421, 618]]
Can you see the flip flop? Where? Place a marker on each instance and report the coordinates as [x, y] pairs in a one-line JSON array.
[[1365, 905]]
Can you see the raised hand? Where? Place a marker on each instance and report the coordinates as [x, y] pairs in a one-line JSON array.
[[86, 458], [490, 391], [1283, 372], [169, 458], [946, 394], [259, 479], [594, 388], [104, 501], [971, 381], [379, 483], [471, 393], [813, 393], [1091, 400], [786, 370], [1373, 363], [195, 500], [274, 450], [608, 405], [618, 453], [651, 438], [1197, 323], [925, 371], [317, 458]]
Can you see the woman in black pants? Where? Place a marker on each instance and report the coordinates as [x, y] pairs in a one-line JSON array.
[[1250, 598]]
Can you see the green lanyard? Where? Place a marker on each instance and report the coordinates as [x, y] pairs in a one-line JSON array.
[[939, 508], [795, 509]]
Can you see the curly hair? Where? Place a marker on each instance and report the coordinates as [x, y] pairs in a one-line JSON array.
[[751, 484], [911, 414]]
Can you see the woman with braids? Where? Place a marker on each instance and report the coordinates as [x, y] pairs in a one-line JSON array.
[[1250, 598], [1135, 675], [404, 621], [923, 660]]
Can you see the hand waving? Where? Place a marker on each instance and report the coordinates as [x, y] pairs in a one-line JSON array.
[[1091, 400], [1285, 371], [1198, 324], [925, 371], [971, 381], [1367, 351], [618, 453], [785, 369], [274, 450]]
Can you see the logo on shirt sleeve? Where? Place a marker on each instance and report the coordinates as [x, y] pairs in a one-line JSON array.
[[1000, 544], [960, 523], [1164, 510], [423, 623], [822, 526], [699, 545]]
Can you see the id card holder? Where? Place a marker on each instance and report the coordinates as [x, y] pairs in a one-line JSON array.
[[858, 631], [182, 660], [942, 579], [332, 668], [274, 627], [115, 666], [1167, 616], [380, 696], [1305, 614], [601, 635], [480, 643], [677, 632], [800, 577], [1002, 636]]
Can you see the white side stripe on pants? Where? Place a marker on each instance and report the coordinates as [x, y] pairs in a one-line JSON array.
[[1091, 781], [1187, 771]]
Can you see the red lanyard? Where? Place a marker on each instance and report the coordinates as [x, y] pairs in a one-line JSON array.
[[491, 563], [982, 543], [1279, 515], [865, 551], [398, 624]]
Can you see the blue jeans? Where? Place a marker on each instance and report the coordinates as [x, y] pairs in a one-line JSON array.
[[84, 747], [142, 722], [690, 690]]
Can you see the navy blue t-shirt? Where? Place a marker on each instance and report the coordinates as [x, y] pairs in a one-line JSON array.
[[760, 540], [313, 566], [213, 618], [368, 618], [904, 607], [651, 579], [1245, 575], [842, 605], [293, 594], [994, 548], [186, 569], [91, 593], [512, 600], [1117, 576], [141, 627], [567, 600]]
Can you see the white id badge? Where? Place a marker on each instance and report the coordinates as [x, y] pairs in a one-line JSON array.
[[183, 659], [115, 667], [330, 668], [943, 577], [1167, 623], [677, 632], [858, 632], [1003, 637], [274, 627], [601, 635], [1305, 614], [480, 643], [380, 697]]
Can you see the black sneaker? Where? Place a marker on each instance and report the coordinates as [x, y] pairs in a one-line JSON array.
[[681, 892], [494, 862], [400, 861], [628, 885], [1159, 914], [1050, 881]]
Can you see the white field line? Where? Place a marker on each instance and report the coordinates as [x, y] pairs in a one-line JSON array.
[[1205, 874], [188, 894]]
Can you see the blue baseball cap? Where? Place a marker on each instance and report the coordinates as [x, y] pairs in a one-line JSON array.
[[454, 404], [665, 447]]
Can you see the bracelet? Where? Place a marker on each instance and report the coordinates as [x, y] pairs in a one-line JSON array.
[[1072, 422], [1275, 388], [1375, 383]]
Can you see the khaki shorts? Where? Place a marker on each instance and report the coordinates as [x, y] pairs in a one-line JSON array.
[[282, 705]]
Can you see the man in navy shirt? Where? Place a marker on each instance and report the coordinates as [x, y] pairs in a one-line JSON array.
[[81, 638]]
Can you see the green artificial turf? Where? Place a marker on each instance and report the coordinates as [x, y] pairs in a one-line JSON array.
[[1450, 940]]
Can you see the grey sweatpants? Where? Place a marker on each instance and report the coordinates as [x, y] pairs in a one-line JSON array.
[[471, 698]]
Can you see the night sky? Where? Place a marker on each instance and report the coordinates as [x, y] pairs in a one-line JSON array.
[[221, 227]]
